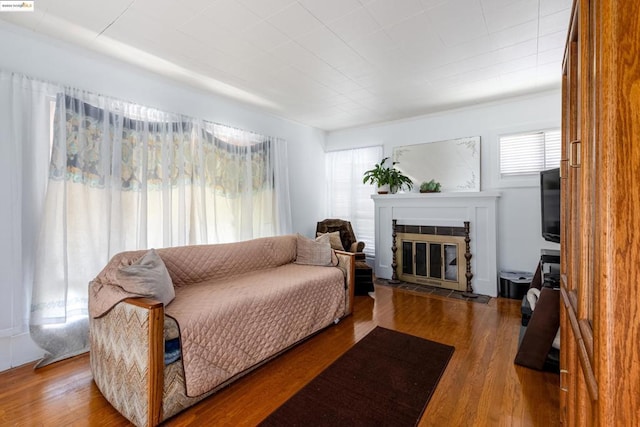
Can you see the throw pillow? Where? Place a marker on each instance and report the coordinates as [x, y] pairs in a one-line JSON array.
[[314, 252], [148, 277], [334, 240]]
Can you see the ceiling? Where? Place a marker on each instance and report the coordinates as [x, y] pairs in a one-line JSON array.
[[330, 64]]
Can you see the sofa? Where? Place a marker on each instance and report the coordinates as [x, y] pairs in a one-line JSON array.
[[169, 327]]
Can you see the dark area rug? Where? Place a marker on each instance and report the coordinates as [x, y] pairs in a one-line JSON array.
[[386, 379]]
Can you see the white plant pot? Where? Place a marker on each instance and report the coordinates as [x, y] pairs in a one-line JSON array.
[[383, 189]]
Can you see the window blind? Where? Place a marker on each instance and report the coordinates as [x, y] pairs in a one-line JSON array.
[[347, 197], [529, 153]]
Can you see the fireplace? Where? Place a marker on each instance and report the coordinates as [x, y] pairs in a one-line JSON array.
[[442, 210], [432, 255]]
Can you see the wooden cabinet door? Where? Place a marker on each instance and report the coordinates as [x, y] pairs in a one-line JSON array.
[[600, 264], [579, 388]]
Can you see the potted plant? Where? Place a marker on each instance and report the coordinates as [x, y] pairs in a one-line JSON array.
[[432, 186], [378, 176], [386, 178], [397, 180]]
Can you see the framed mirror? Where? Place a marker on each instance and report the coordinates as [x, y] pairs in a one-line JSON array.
[[455, 163]]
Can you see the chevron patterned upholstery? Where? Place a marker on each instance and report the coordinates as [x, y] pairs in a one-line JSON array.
[[121, 340], [120, 369]]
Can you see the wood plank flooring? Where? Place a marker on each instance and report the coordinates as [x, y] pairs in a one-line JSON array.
[[480, 387]]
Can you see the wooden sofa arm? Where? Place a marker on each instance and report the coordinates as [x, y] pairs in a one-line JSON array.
[[347, 262], [127, 358]]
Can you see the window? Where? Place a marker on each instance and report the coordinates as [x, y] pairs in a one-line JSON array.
[[348, 198], [529, 153]]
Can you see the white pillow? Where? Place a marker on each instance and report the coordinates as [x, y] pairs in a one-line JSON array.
[[314, 252], [334, 240], [148, 277]]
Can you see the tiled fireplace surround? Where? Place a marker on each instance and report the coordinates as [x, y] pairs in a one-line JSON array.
[[443, 210]]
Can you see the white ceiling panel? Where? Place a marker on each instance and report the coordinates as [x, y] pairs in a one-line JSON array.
[[494, 4], [466, 50], [218, 39], [294, 54], [354, 25], [353, 66], [136, 25], [295, 21], [388, 13], [517, 51], [519, 64], [416, 29], [547, 73], [231, 15], [95, 16], [266, 8], [329, 10], [554, 22], [450, 10], [379, 41], [327, 63], [552, 41], [551, 56], [265, 36], [167, 12], [507, 16], [321, 41], [514, 35], [337, 55], [547, 7], [458, 21], [428, 4]]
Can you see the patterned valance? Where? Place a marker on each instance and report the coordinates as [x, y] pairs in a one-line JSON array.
[[155, 154]]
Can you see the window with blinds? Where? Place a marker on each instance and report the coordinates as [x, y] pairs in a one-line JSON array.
[[347, 197], [529, 153]]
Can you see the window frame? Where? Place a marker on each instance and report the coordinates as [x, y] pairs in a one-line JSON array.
[[370, 245], [515, 181]]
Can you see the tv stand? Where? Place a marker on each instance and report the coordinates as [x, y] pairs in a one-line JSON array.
[[539, 327]]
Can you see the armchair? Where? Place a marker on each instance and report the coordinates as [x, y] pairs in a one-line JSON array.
[[347, 236], [364, 273]]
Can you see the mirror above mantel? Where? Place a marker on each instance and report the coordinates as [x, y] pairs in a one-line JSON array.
[[455, 163]]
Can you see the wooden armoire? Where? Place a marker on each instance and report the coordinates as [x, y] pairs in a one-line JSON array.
[[600, 247]]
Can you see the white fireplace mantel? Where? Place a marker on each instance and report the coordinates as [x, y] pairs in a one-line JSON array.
[[443, 209]]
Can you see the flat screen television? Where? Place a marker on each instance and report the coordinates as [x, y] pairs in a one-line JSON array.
[[550, 204]]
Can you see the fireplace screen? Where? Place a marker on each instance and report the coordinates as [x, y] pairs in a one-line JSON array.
[[432, 259]]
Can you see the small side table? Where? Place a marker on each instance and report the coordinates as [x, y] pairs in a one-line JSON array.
[[363, 279]]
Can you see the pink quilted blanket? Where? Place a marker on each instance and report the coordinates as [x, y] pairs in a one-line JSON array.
[[194, 264], [236, 304], [228, 326]]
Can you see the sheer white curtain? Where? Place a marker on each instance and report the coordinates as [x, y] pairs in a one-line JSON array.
[[25, 114], [120, 177], [249, 194], [348, 198]]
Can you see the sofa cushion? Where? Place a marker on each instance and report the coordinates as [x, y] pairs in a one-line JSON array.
[[147, 277], [227, 326], [193, 264], [314, 252], [334, 240]]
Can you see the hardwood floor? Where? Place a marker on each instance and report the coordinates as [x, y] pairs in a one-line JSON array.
[[480, 387]]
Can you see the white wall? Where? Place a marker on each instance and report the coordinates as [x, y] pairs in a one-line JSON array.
[[29, 53], [519, 240]]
